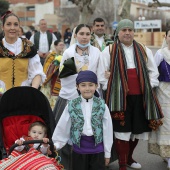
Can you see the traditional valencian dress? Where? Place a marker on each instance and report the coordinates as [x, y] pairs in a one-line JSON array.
[[19, 64], [52, 85], [68, 89], [68, 84], [159, 142]]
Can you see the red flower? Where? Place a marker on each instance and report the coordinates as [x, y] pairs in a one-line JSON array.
[[154, 124], [121, 116]]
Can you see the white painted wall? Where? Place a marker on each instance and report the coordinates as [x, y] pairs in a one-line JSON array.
[[42, 9]]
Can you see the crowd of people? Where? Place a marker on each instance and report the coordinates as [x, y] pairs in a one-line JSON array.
[[106, 94]]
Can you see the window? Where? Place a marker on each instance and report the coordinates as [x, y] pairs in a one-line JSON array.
[[31, 8], [30, 18], [22, 18]]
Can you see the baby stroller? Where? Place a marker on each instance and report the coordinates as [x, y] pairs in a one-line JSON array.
[[19, 107]]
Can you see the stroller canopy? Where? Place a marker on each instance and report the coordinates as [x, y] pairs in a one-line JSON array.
[[27, 101]]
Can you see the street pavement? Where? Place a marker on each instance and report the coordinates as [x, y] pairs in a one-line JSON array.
[[141, 155]]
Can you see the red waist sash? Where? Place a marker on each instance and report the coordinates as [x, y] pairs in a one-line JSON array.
[[133, 82]]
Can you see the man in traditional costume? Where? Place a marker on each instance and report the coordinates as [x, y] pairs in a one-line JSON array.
[[98, 38], [43, 40], [133, 105]]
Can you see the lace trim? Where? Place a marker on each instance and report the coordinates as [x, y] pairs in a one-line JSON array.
[[166, 54]]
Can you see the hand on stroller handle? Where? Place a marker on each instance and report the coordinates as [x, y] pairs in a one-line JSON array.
[[33, 142], [28, 105], [45, 141]]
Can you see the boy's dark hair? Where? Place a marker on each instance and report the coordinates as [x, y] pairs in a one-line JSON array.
[[38, 123], [98, 20]]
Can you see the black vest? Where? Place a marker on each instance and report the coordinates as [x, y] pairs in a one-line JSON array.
[[37, 38]]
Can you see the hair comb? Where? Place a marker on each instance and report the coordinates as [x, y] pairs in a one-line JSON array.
[[5, 14]]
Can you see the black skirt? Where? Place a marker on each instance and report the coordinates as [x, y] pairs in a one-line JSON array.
[[59, 108], [66, 152], [135, 120]]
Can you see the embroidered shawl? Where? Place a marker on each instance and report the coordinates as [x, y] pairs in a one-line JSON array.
[[51, 69], [166, 53], [117, 85], [28, 50], [106, 42]]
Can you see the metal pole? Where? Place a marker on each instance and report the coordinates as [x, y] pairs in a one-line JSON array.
[[115, 5], [25, 14]]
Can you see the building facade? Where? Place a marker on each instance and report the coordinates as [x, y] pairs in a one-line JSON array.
[[53, 10], [26, 11]]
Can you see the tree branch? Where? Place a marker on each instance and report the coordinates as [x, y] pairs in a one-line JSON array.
[[158, 4]]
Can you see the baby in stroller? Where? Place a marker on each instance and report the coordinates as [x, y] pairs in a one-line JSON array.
[[36, 131], [24, 111]]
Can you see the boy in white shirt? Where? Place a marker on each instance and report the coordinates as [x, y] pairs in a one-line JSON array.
[[87, 122]]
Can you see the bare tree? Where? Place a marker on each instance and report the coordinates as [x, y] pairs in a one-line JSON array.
[[156, 4], [86, 8], [124, 9], [106, 10], [69, 15], [4, 6]]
